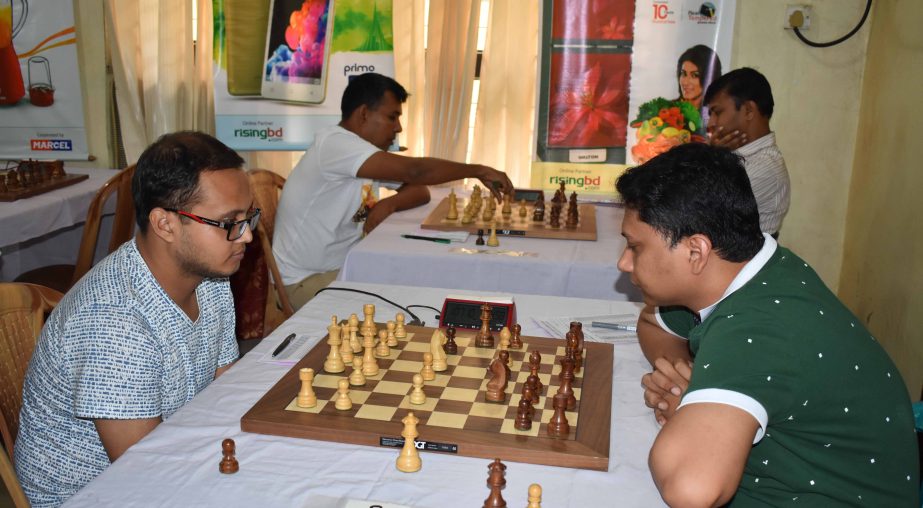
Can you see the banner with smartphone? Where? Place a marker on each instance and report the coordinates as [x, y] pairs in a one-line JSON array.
[[281, 66], [622, 81], [41, 103]]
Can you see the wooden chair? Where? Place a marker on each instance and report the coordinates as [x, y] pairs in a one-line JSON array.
[[63, 277], [267, 187], [23, 309], [12, 483]]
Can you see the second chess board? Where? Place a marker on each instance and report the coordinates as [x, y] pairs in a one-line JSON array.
[[515, 225]]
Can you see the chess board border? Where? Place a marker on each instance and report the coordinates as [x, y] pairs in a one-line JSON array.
[[589, 449], [45, 186], [585, 230]]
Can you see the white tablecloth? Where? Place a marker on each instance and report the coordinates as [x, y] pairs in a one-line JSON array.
[[581, 269], [46, 229], [177, 464]]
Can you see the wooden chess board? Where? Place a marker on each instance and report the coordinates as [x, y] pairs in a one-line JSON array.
[[27, 190], [456, 417], [516, 225]]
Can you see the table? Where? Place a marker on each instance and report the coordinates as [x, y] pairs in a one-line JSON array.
[[581, 269], [177, 464], [46, 229]]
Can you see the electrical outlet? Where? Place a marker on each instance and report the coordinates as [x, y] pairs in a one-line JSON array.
[[795, 10]]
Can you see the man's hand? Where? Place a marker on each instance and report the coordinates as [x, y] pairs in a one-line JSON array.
[[665, 386], [496, 182], [730, 140], [378, 214]]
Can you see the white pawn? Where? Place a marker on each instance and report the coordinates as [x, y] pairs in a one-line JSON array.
[[346, 350], [417, 396], [535, 496], [357, 378], [453, 206], [382, 351], [505, 337], [399, 331], [343, 401], [306, 397], [427, 372], [492, 240], [369, 363], [392, 340], [409, 459], [353, 333]]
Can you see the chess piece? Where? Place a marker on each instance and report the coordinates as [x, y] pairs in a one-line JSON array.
[[392, 340], [399, 331], [467, 217], [306, 396], [417, 396], [507, 209], [573, 344], [497, 385], [369, 311], [535, 496], [409, 459], [496, 482], [558, 426], [228, 464], [516, 337], [369, 363], [484, 338], [346, 350], [382, 351], [505, 337], [343, 401], [567, 380], [334, 362], [535, 363], [523, 212], [571, 221], [528, 393], [453, 206], [492, 241], [353, 333], [435, 347], [427, 371], [357, 378], [504, 356], [450, 346], [488, 214], [523, 420], [480, 240], [534, 386]]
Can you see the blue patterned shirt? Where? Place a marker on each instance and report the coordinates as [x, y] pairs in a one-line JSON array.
[[116, 347]]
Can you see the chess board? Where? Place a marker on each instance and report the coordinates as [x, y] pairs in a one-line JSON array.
[[456, 416], [516, 225], [32, 178]]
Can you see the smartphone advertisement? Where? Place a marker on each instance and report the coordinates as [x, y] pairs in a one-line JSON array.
[[281, 66]]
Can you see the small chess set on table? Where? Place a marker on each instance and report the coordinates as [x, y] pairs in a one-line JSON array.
[[466, 392], [32, 177], [565, 219]]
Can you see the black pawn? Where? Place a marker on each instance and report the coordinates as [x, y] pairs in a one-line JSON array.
[[450, 346], [558, 425], [523, 415], [480, 240]]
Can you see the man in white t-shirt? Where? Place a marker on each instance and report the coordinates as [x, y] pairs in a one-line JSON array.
[[740, 105], [329, 201]]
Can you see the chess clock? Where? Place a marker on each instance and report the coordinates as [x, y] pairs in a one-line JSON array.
[[462, 312]]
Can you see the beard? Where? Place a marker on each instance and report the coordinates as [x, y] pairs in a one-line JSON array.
[[190, 261]]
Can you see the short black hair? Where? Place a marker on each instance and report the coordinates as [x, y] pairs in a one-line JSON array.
[[744, 84], [167, 173], [368, 90], [705, 59], [696, 188]]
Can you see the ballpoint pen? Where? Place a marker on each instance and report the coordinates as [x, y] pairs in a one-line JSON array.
[[614, 326], [283, 345], [437, 240]]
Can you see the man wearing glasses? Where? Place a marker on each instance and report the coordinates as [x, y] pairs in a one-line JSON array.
[[147, 328]]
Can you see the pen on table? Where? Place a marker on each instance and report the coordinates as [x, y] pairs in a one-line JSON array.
[[437, 240], [283, 345], [614, 326]]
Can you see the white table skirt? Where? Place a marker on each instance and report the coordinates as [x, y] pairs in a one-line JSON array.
[[177, 464], [581, 269]]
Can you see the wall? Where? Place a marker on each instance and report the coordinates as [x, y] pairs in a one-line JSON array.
[[817, 94], [883, 262], [91, 45]]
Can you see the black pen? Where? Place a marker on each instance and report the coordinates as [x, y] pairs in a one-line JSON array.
[[437, 240], [283, 345], [614, 326]]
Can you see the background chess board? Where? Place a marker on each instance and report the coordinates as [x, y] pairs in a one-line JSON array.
[[456, 411], [522, 226]]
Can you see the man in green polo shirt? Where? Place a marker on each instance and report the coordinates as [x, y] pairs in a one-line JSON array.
[[770, 391]]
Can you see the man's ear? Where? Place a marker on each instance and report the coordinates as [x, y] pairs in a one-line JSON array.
[[699, 247], [163, 224], [750, 110]]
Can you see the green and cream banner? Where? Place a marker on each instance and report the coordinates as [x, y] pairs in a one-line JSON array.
[[41, 103], [622, 81], [281, 66]]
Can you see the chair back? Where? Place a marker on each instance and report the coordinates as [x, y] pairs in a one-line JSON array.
[[23, 309], [12, 483], [123, 225], [267, 187]]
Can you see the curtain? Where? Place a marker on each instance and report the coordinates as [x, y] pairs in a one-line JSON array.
[[162, 84], [505, 118], [410, 70], [451, 54]]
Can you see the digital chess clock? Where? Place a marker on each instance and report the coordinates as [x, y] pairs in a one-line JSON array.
[[465, 312]]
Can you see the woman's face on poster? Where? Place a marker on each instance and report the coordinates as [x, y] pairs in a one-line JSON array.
[[690, 81]]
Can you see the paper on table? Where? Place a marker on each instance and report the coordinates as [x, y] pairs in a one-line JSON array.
[[454, 236], [559, 326], [291, 354], [318, 501], [498, 252]]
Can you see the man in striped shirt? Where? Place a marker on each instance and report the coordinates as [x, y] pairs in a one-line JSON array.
[[740, 106]]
